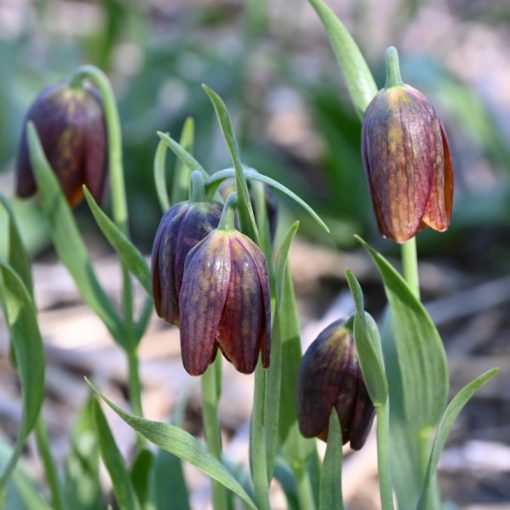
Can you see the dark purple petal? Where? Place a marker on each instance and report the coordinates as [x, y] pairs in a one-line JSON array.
[[201, 300], [243, 320]]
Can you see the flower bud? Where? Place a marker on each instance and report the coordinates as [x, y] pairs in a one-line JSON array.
[[228, 186], [330, 378], [71, 127], [183, 226], [407, 159], [225, 302]]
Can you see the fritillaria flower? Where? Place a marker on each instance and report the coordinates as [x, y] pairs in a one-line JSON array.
[[71, 127], [330, 378], [183, 226], [407, 159], [224, 301]]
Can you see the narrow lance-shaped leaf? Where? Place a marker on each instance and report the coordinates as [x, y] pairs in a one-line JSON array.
[[182, 171], [360, 82], [140, 475], [122, 486], [368, 346], [445, 426], [246, 216], [20, 316], [182, 153], [17, 255], [421, 354], [251, 174], [160, 175], [128, 253], [67, 239], [330, 495], [184, 445], [274, 374]]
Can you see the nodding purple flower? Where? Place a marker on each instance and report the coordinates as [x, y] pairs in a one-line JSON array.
[[330, 378], [225, 302], [407, 160], [71, 127], [182, 227]]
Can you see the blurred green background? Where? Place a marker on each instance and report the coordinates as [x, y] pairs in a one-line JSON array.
[[271, 62]]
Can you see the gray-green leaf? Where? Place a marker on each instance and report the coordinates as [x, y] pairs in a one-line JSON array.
[[421, 353], [184, 445]]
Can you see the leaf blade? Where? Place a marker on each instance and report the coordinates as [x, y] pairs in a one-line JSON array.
[[180, 443], [360, 82], [20, 316], [451, 413], [421, 354], [67, 239], [128, 253]]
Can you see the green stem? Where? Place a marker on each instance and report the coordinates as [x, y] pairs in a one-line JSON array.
[[393, 77], [210, 397], [119, 211], [410, 266], [135, 388], [116, 171], [50, 470], [304, 489], [258, 450], [227, 215], [196, 189], [383, 456]]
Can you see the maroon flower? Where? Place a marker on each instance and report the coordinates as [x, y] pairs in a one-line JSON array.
[[182, 227], [407, 161], [224, 301], [72, 131], [330, 378]]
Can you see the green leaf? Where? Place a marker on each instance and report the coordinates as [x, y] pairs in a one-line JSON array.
[[360, 82], [17, 255], [140, 475], [421, 355], [182, 172], [21, 492], [81, 481], [67, 240], [182, 154], [167, 484], [246, 216], [20, 316], [160, 175], [254, 175], [368, 346], [122, 486], [295, 448], [184, 445], [274, 373], [445, 426], [330, 495], [129, 255]]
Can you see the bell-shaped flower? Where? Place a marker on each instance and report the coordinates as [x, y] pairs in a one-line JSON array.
[[71, 127], [330, 378]]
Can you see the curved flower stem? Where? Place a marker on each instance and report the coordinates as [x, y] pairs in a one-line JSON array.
[[383, 456], [410, 266], [210, 397], [43, 447], [119, 211]]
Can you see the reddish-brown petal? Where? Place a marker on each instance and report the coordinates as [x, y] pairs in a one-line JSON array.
[[400, 149], [439, 207], [243, 321], [363, 415], [319, 379], [202, 298]]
